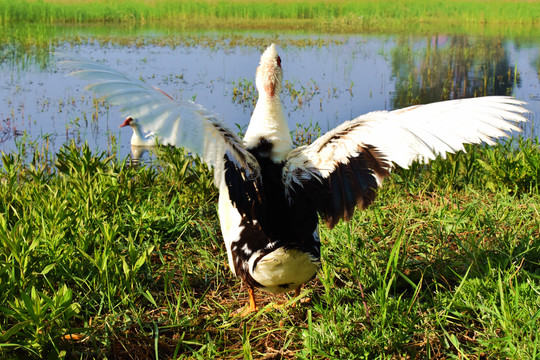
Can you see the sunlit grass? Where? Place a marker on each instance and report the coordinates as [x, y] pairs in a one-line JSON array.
[[97, 257], [367, 14]]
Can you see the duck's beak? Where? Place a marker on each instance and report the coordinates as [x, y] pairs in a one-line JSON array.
[[126, 122]]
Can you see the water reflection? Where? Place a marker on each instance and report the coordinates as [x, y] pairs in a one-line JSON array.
[[139, 153], [451, 67], [328, 81]]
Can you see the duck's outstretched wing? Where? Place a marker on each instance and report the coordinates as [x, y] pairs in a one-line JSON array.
[[181, 124], [343, 168]]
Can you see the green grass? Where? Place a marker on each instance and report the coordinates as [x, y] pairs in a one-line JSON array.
[[368, 15], [98, 257]]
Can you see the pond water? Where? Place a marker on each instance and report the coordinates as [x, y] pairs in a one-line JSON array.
[[328, 79]]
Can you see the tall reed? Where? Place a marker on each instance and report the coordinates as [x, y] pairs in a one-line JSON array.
[[370, 11]]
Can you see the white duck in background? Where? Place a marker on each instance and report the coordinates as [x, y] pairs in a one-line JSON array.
[[138, 138], [140, 143], [270, 193]]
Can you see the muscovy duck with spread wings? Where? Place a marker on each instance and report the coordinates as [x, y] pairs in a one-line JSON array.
[[270, 193]]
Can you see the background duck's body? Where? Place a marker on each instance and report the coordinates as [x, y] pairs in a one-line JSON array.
[[140, 143], [271, 194], [138, 138]]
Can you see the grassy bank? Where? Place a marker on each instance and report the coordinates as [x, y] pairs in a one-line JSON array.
[[367, 14], [97, 257]]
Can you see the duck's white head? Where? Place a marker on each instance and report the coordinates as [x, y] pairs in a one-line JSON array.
[[269, 73]]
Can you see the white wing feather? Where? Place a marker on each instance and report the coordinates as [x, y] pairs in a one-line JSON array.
[[420, 132], [178, 123], [423, 132]]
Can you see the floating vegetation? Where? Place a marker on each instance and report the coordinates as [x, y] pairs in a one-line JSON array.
[[295, 95], [304, 94], [29, 44], [305, 134], [8, 130], [245, 93]]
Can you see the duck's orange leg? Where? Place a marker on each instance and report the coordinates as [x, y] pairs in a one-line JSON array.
[[296, 294], [304, 300], [252, 303]]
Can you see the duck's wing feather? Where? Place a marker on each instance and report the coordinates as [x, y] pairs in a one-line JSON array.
[[343, 168], [181, 124]]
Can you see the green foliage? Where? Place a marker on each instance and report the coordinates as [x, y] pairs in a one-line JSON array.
[[98, 257], [512, 166], [79, 238]]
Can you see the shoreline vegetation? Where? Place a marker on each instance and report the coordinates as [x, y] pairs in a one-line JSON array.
[[462, 16], [99, 259]]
